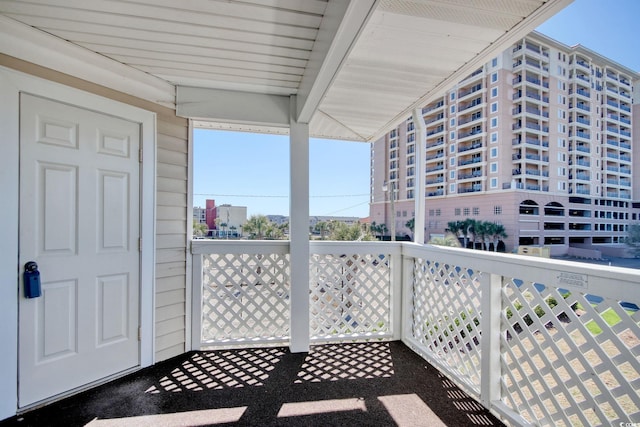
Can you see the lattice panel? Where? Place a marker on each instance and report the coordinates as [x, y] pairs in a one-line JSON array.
[[569, 358], [245, 297], [446, 317], [350, 295]]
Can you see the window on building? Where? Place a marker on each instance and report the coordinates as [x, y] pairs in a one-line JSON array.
[[452, 122], [497, 210], [494, 92], [452, 161], [438, 212], [456, 211], [430, 212], [494, 152], [409, 194], [493, 167], [494, 77], [452, 174], [494, 107], [494, 137], [452, 188], [476, 211], [452, 96], [494, 62], [466, 211], [452, 149], [452, 135], [452, 109], [493, 182], [494, 122]]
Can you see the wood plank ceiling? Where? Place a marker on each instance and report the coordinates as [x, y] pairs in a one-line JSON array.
[[359, 67]]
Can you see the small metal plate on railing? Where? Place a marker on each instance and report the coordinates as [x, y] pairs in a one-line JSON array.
[[573, 279]]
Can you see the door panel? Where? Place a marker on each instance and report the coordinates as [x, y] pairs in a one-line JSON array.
[[80, 221]]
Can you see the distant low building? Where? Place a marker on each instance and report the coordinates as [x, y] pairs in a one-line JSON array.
[[230, 220]]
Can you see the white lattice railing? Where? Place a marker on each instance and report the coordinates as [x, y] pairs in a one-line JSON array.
[[537, 341], [353, 293], [241, 292]]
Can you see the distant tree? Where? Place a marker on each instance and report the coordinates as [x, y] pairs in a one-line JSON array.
[[411, 224], [480, 231], [322, 227], [468, 232], [273, 232], [256, 226], [342, 231], [199, 229], [449, 239], [497, 232]]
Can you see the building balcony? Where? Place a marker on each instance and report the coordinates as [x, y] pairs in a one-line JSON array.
[[433, 107]]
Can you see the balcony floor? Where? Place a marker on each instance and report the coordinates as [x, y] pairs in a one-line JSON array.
[[373, 384]]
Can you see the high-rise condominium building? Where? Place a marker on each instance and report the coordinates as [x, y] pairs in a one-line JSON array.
[[541, 140]]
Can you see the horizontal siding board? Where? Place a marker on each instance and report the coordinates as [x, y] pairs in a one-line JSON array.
[[171, 213], [171, 269], [169, 312], [164, 198], [170, 283], [171, 185], [170, 340], [172, 143], [171, 227], [164, 299], [177, 129], [168, 353], [170, 157], [172, 171], [166, 241], [170, 255], [169, 326]]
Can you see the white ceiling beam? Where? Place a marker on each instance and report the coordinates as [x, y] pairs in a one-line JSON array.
[[340, 27], [32, 45], [229, 106]]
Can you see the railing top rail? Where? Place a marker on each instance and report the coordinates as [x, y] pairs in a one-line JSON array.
[[282, 247], [587, 278], [199, 247]]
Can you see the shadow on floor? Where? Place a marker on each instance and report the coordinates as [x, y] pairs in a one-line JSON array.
[[373, 384]]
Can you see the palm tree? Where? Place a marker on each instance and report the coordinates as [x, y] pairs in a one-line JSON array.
[[497, 232], [467, 230], [455, 228], [322, 227], [256, 226], [411, 224], [481, 231]]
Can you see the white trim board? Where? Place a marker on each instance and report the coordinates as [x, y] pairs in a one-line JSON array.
[[12, 83]]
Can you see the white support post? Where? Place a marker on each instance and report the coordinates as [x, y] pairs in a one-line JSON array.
[[407, 297], [419, 194], [397, 274], [196, 302], [299, 232], [490, 325]]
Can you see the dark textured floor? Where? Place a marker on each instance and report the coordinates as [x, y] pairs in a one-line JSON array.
[[364, 384]]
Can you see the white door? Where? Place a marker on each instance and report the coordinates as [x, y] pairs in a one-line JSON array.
[[80, 222]]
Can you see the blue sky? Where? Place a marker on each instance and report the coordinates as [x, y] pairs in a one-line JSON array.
[[251, 170]]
